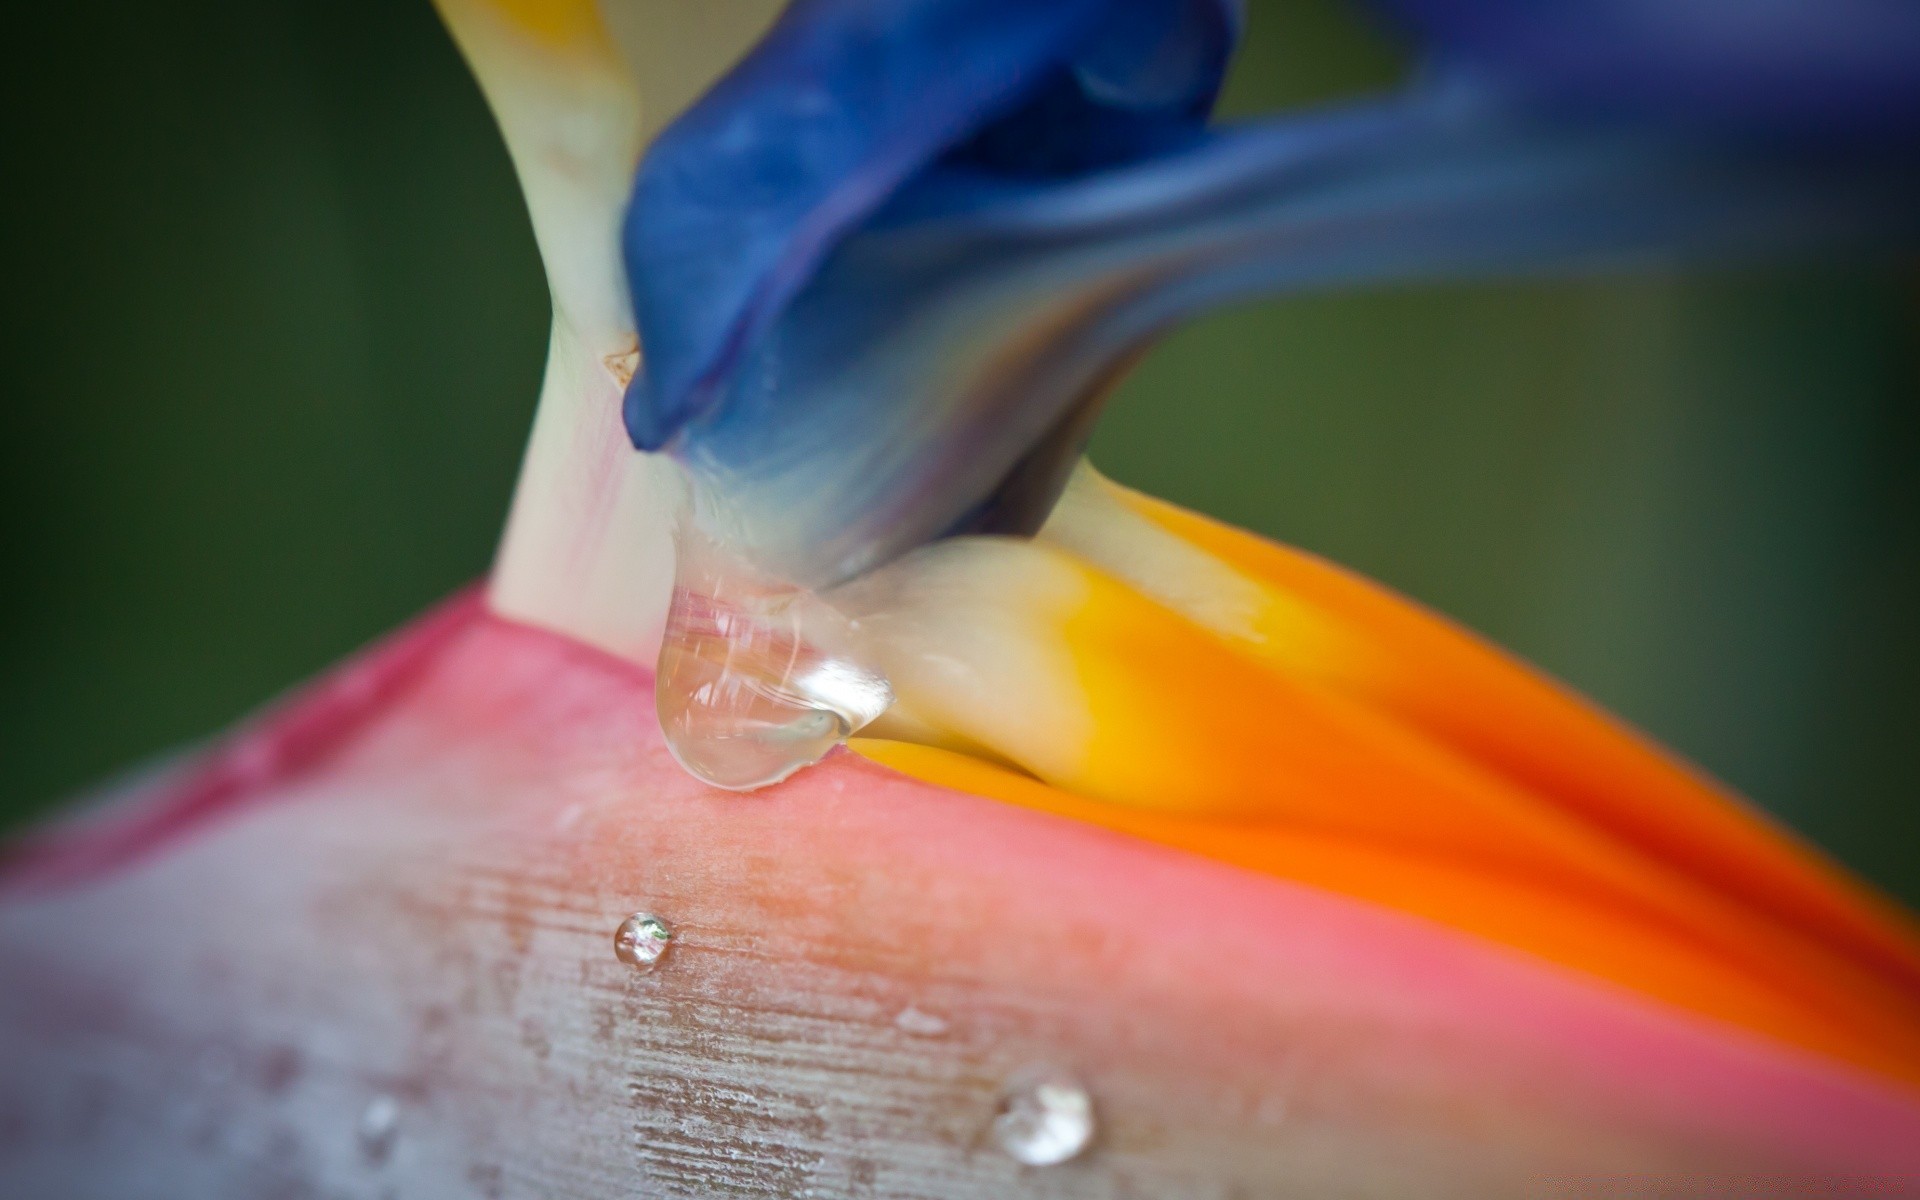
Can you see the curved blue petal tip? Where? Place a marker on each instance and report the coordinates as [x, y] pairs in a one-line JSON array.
[[842, 102]]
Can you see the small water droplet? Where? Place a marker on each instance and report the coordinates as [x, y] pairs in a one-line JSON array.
[[378, 1128], [757, 678], [640, 941], [919, 1022], [1045, 1117]]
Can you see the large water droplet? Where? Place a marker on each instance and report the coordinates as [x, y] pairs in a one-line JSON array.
[[1045, 1117], [757, 679], [640, 941], [378, 1128]]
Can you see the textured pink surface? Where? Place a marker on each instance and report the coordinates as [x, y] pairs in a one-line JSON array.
[[428, 865], [290, 738]]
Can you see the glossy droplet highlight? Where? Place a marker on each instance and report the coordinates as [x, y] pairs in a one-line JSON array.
[[378, 1128], [1045, 1117], [919, 1022], [640, 941], [757, 679]]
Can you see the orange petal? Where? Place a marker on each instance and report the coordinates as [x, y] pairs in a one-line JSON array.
[[1516, 722], [1254, 706]]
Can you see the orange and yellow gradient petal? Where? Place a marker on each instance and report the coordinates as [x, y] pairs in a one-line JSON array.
[[1149, 670]]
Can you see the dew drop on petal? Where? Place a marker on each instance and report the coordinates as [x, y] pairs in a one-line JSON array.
[[1045, 1117], [378, 1128], [919, 1022], [640, 941], [757, 678]]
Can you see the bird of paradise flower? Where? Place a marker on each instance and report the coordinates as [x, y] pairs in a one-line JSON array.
[[1387, 912]]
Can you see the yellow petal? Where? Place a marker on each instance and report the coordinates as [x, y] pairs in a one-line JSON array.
[[1164, 675]]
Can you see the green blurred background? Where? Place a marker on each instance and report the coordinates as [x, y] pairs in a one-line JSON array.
[[274, 324]]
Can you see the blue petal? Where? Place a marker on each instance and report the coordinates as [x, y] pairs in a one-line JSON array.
[[884, 270], [739, 199], [1828, 68], [939, 371]]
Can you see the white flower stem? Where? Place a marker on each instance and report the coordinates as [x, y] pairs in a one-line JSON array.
[[587, 550]]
